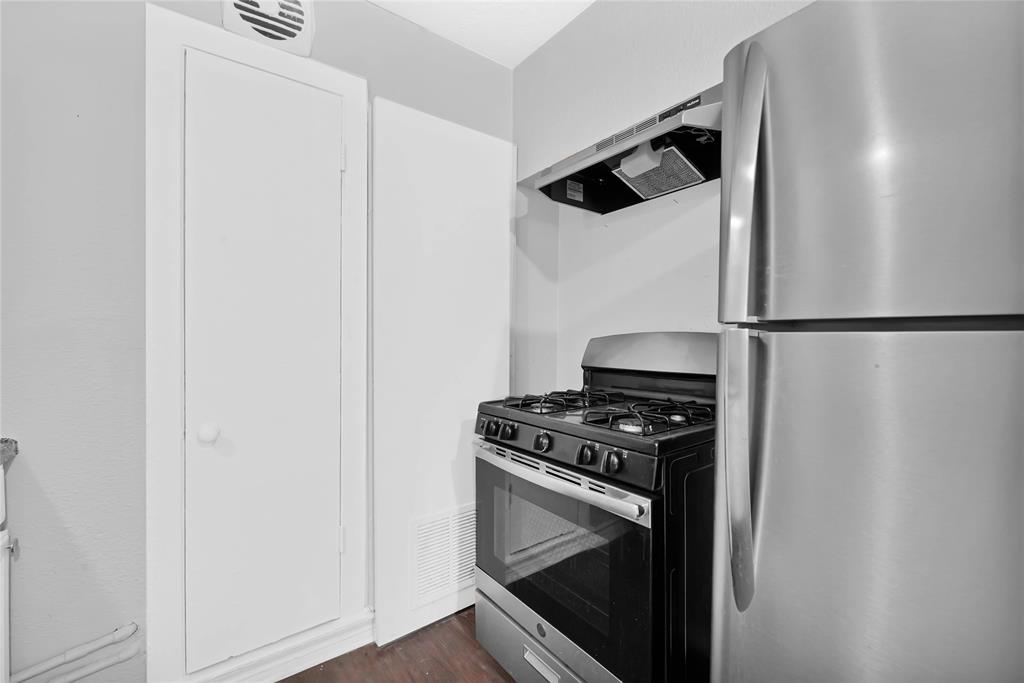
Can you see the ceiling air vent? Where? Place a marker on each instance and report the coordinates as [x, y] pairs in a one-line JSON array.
[[287, 24]]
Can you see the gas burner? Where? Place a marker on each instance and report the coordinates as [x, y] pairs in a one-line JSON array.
[[561, 401], [627, 420], [537, 404], [682, 414], [650, 417], [633, 425]]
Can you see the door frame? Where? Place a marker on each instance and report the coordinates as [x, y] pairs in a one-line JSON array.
[[168, 36]]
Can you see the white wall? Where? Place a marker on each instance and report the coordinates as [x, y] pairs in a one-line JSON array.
[[651, 268], [535, 293], [72, 306], [72, 381], [648, 267], [619, 62], [402, 62]]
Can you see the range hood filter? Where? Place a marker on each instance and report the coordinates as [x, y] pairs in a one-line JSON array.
[[673, 173]]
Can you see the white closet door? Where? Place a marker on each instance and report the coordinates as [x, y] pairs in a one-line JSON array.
[[442, 203], [262, 352]]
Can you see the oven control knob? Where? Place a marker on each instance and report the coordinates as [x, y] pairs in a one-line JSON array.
[[542, 442], [490, 428], [507, 432], [613, 462], [585, 456]]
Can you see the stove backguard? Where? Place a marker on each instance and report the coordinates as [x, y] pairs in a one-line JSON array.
[[678, 365]]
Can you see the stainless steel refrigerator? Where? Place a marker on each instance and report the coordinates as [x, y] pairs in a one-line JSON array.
[[870, 482]]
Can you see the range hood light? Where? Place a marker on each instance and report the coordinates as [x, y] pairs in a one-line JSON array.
[[641, 161], [651, 174]]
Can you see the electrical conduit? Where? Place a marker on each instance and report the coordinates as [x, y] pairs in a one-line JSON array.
[[118, 636], [78, 674]]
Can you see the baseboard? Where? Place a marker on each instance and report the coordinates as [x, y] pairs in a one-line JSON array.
[[292, 655], [399, 626]]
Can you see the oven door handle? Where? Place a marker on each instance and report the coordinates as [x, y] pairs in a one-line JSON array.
[[629, 506]]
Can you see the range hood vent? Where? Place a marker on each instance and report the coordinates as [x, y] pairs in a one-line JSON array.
[[678, 148]]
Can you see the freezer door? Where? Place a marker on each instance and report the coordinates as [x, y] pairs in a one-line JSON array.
[[870, 507], [872, 164]]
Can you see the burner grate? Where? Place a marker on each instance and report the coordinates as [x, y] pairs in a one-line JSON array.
[[561, 401], [650, 417]]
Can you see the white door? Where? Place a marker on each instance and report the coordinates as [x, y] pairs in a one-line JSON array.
[[262, 247], [442, 212]]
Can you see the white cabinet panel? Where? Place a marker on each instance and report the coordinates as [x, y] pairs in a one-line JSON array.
[[442, 211], [262, 352]]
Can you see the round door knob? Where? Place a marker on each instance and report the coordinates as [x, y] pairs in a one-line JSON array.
[[208, 433]]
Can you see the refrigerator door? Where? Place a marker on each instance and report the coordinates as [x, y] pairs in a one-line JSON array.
[[870, 521], [872, 164]]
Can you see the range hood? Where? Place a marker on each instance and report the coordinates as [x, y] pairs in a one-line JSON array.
[[677, 148]]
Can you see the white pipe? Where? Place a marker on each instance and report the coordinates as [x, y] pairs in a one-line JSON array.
[[5, 602], [100, 664], [118, 636]]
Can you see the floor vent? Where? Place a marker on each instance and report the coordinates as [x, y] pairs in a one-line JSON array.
[[444, 553]]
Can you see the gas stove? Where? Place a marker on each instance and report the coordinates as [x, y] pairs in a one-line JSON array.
[[594, 517], [606, 428]]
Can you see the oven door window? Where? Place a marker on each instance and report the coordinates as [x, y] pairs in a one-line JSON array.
[[584, 570]]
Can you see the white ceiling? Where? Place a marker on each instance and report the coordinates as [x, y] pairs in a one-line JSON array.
[[505, 31]]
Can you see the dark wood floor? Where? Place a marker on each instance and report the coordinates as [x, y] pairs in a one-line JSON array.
[[446, 652]]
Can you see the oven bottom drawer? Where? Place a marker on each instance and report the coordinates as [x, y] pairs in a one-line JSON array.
[[575, 661], [526, 660]]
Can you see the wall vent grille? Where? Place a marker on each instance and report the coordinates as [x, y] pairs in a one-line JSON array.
[[285, 24], [284, 21], [444, 553]]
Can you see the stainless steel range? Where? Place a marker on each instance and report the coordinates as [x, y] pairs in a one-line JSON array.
[[595, 517]]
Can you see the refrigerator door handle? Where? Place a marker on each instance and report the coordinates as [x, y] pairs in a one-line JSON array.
[[734, 450], [734, 305]]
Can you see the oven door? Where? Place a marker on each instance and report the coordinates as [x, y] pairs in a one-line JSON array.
[[578, 555]]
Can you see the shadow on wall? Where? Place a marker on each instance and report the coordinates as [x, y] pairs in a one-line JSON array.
[[535, 293], [74, 322], [650, 267]]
